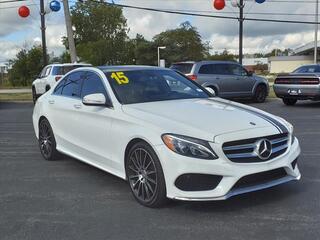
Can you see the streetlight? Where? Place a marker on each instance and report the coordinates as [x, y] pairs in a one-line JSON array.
[[163, 47]]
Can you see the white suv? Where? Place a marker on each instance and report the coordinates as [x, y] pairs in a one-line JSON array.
[[50, 75]]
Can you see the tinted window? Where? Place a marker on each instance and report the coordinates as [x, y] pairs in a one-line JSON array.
[[308, 69], [45, 72], [237, 70], [138, 86], [207, 69], [219, 69], [184, 68], [62, 70], [72, 85], [59, 87], [92, 84]]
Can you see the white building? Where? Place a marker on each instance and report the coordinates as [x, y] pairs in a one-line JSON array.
[[4, 67]]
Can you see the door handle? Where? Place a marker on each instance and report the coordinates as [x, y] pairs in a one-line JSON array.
[[77, 106], [51, 101]]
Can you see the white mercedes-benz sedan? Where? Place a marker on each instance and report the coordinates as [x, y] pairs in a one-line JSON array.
[[164, 134]]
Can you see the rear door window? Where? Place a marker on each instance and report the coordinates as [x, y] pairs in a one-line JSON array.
[[207, 69]]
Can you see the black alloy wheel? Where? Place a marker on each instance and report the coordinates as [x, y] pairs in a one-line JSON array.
[[260, 94], [145, 176], [47, 142]]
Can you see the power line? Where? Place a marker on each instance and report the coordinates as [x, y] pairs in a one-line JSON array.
[[12, 1], [204, 15]]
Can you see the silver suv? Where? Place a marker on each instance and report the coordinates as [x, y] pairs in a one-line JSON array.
[[227, 79]]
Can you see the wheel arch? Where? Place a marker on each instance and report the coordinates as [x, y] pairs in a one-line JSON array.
[[261, 84], [130, 144]]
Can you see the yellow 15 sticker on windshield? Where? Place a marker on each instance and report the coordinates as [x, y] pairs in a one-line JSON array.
[[120, 78]]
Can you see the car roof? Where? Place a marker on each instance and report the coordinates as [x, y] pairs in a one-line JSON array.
[[206, 62], [128, 68], [69, 64]]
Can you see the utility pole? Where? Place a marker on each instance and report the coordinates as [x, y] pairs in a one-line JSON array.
[[72, 47], [43, 33], [316, 34], [241, 6]]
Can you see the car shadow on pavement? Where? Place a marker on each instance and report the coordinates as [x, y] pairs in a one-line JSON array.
[[243, 201], [236, 203]]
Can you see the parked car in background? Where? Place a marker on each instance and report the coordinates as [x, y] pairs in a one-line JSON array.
[[301, 84], [228, 79], [49, 75], [164, 134]]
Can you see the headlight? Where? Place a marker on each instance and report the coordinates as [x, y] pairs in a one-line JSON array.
[[190, 147]]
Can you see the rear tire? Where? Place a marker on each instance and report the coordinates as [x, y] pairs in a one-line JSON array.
[[289, 101], [145, 176], [47, 141], [260, 94]]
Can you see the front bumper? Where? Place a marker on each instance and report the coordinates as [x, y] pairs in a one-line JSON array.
[[175, 165], [304, 92]]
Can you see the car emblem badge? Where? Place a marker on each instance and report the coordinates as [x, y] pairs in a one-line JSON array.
[[263, 149]]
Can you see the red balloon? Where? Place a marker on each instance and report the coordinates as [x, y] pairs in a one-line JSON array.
[[23, 11], [219, 4]]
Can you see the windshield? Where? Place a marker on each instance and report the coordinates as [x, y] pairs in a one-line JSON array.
[[139, 86], [184, 68]]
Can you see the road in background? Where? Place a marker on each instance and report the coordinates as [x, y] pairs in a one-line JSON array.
[[67, 199], [16, 90]]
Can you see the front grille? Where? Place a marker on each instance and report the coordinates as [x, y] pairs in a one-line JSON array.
[[243, 151], [297, 81], [260, 178]]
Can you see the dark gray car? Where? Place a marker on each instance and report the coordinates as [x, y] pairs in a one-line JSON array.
[[228, 79], [302, 84]]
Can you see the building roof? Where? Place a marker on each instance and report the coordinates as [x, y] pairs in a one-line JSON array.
[[290, 58], [306, 48]]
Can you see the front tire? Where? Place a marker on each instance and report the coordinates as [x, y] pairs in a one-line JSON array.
[[289, 101], [47, 142], [145, 176], [260, 94]]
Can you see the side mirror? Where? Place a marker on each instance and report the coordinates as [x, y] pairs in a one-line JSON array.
[[212, 91], [96, 99], [250, 73]]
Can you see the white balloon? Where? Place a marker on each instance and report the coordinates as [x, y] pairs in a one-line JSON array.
[[47, 8], [235, 3]]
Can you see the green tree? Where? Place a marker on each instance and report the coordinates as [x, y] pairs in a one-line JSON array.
[[182, 44], [145, 52], [26, 65], [101, 33], [224, 56]]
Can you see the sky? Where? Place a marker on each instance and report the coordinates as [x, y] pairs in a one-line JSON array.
[[17, 32]]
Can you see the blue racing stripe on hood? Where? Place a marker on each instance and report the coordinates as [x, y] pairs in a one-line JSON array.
[[281, 128]]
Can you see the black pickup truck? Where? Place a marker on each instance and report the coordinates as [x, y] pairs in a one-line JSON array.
[[302, 84]]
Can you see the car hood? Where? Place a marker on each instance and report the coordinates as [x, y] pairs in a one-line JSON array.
[[201, 118]]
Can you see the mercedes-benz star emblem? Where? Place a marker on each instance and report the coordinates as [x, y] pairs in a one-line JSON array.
[[263, 149]]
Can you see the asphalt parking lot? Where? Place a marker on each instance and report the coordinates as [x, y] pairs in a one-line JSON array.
[[67, 199]]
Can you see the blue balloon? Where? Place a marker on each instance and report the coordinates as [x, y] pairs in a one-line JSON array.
[[55, 6], [260, 1]]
